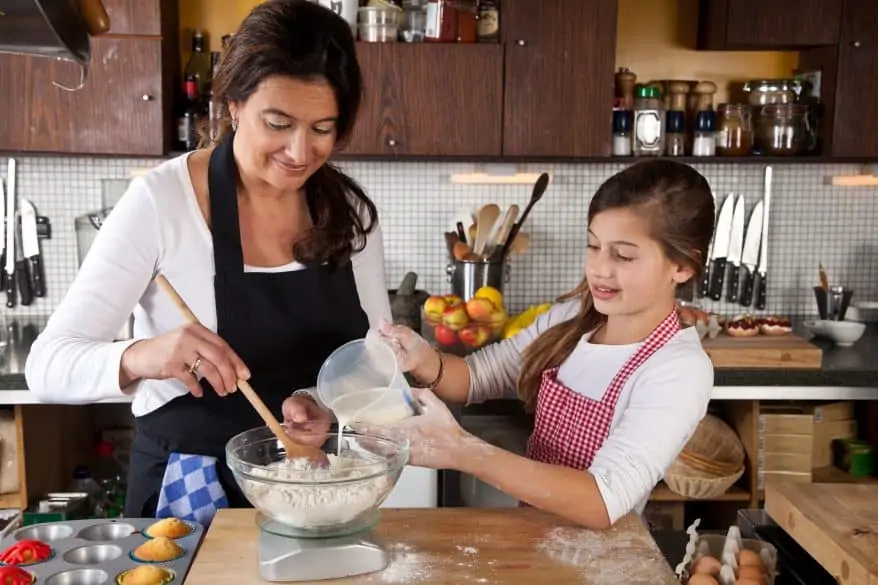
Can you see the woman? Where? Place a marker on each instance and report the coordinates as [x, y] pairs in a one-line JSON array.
[[277, 252]]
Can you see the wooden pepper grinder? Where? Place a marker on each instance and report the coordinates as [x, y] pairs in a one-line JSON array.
[[625, 82], [704, 93], [677, 93]]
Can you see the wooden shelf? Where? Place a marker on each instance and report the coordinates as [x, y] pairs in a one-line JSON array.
[[662, 493]]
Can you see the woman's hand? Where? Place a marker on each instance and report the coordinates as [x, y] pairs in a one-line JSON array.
[[434, 436], [173, 355], [412, 350], [305, 422]]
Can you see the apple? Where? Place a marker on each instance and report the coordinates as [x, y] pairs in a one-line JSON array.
[[475, 335], [498, 321], [480, 309], [434, 306], [455, 317], [445, 335], [453, 300]]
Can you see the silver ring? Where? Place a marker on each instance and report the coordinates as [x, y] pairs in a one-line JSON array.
[[195, 365]]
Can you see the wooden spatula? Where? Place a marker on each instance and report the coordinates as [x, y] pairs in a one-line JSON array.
[[293, 450]]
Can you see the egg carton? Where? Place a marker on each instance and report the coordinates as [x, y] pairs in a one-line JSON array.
[[725, 549], [98, 551]]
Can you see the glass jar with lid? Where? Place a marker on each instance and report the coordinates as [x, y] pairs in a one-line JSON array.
[[784, 130], [734, 132]]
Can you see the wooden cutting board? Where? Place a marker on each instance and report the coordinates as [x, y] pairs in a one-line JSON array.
[[763, 351], [453, 546], [837, 523]]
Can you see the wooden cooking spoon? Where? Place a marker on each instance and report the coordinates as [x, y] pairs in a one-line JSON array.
[[294, 450]]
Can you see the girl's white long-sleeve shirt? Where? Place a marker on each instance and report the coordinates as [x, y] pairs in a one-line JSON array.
[[157, 227], [657, 411]]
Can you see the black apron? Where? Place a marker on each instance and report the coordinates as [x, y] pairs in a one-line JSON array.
[[282, 324]]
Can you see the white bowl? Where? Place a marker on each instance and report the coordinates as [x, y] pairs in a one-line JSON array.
[[843, 333]]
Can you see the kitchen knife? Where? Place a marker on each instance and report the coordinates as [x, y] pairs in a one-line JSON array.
[[721, 248], [750, 257], [705, 277], [31, 246], [2, 235], [10, 234], [22, 270], [762, 272], [736, 247]]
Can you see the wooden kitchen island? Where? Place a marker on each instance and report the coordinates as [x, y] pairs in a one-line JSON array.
[[452, 546]]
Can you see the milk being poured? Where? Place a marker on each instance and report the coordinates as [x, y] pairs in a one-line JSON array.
[[375, 406]]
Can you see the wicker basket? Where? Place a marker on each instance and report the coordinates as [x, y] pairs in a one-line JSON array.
[[708, 466], [716, 442], [692, 483]]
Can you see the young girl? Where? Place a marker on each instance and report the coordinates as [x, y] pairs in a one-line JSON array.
[[617, 387]]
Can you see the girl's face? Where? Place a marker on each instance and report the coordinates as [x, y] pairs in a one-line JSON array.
[[286, 130], [627, 270]]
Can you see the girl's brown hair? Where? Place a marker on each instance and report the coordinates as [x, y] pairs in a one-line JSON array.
[[680, 206], [303, 40]]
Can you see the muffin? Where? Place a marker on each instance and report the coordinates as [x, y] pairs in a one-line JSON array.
[[143, 575], [169, 528], [26, 552], [158, 550], [15, 576]]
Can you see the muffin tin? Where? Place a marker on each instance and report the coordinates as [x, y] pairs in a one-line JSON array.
[[98, 551]]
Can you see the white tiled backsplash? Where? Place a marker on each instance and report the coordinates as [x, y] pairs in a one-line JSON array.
[[810, 222]]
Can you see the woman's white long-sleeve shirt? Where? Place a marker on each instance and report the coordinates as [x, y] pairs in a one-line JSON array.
[[157, 227], [657, 411]]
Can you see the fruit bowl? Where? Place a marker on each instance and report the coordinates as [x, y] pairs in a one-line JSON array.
[[460, 327]]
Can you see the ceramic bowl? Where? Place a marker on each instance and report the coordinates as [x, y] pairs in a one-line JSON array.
[[843, 333]]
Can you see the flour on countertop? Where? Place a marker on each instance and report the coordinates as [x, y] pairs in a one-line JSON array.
[[604, 558], [408, 565], [316, 506]]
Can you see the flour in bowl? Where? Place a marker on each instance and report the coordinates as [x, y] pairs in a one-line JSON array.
[[317, 506]]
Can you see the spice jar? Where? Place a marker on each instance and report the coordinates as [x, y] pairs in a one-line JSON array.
[[441, 25], [783, 130], [649, 122], [489, 21], [704, 136], [467, 21], [675, 136], [734, 134], [622, 132]]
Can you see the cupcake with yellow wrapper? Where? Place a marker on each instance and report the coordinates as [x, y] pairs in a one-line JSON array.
[[157, 550], [172, 528], [145, 575]]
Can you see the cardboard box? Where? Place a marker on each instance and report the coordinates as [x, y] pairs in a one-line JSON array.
[[765, 476], [817, 443], [795, 462], [798, 420]]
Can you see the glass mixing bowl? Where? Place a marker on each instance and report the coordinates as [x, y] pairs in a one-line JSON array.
[[317, 503]]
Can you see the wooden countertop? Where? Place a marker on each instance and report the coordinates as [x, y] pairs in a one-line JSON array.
[[837, 523], [452, 546]]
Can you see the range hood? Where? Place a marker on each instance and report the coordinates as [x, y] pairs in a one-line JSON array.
[[55, 29]]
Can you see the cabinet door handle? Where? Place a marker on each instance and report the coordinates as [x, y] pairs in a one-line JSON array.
[[391, 142], [146, 97], [856, 44], [521, 42]]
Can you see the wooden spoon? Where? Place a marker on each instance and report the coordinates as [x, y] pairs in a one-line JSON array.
[[293, 450], [487, 217]]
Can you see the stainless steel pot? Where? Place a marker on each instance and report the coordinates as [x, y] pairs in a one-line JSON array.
[[45, 28]]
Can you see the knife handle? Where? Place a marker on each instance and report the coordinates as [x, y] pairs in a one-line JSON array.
[[38, 276], [704, 285], [3, 270], [734, 279], [717, 276], [10, 290], [22, 277], [747, 293], [761, 289]]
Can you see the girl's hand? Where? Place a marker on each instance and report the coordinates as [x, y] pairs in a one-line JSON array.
[[434, 436], [304, 421], [176, 353], [412, 350]]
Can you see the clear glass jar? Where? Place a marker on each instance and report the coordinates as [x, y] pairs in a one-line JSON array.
[[783, 130], [413, 21], [734, 133], [649, 123]]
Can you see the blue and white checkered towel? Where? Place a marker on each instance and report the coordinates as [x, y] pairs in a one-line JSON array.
[[191, 489]]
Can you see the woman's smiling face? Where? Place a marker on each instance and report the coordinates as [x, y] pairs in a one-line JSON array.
[[286, 130], [626, 268]]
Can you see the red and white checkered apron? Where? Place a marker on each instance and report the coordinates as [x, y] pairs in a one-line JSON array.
[[569, 428]]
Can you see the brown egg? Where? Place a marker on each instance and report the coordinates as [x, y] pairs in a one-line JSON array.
[[702, 579], [748, 558], [751, 572], [706, 565]]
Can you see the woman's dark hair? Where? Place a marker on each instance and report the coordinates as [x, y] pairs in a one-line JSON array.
[[303, 40], [677, 201]]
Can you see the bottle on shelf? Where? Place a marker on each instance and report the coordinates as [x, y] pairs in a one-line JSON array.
[[489, 21], [199, 65], [192, 111], [649, 122]]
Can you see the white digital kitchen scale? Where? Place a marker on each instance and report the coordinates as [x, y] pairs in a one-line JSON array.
[[286, 555]]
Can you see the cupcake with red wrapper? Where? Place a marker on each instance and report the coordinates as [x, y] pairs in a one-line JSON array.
[[26, 552]]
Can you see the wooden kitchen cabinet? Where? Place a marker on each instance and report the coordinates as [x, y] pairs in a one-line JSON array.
[[560, 56], [429, 100], [767, 24], [142, 17]]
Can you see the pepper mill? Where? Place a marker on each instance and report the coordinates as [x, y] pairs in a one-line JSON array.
[[704, 93], [625, 81], [676, 95]]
